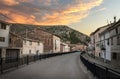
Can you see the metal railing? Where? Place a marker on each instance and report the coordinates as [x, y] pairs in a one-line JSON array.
[[13, 62], [100, 71]]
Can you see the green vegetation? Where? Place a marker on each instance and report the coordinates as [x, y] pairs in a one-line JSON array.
[[64, 32]]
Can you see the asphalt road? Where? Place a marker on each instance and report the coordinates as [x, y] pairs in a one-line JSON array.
[[66, 66]]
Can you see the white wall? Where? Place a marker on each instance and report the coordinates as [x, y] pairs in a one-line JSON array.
[[97, 41], [106, 54], [5, 33], [67, 48], [40, 48], [34, 47], [56, 44], [108, 46]]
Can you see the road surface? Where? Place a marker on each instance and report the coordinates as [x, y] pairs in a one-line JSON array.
[[66, 66]]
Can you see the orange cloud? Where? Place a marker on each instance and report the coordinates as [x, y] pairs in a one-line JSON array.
[[22, 19], [10, 2], [67, 14], [17, 18], [72, 13]]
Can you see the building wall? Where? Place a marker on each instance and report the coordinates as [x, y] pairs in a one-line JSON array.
[[108, 46], [97, 41], [67, 48], [64, 47], [15, 41], [4, 33], [115, 47], [105, 41], [32, 48], [56, 44], [45, 37]]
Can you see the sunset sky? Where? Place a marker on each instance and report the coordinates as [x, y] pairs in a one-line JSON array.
[[82, 15]]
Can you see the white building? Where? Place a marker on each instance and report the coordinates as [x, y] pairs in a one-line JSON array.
[[56, 44], [114, 31], [105, 45], [4, 36], [95, 40], [64, 47], [32, 47]]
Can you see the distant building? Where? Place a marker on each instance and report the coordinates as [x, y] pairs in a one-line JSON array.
[[64, 47], [75, 47]]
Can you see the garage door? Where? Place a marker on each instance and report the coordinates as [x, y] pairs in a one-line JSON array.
[[12, 53]]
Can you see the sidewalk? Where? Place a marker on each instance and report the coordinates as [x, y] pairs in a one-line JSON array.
[[100, 62]]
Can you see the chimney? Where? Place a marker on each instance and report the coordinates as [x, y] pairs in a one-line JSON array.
[[114, 19]]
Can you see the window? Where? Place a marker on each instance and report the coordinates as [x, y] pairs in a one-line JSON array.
[[29, 51], [118, 40], [37, 52], [97, 45], [30, 42], [24, 42], [2, 39], [114, 56], [116, 30], [10, 41], [3, 26], [108, 42], [38, 43], [111, 41]]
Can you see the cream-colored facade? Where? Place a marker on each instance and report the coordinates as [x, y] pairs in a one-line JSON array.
[[115, 43], [31, 47], [64, 47], [95, 40], [56, 44]]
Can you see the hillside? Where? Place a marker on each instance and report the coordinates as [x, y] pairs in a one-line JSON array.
[[64, 32], [67, 34]]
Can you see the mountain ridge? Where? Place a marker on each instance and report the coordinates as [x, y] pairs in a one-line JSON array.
[[64, 32]]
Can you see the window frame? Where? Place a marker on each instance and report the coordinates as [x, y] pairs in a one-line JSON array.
[[2, 39]]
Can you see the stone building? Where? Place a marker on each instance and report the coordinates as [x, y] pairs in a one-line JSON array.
[[19, 46], [51, 42]]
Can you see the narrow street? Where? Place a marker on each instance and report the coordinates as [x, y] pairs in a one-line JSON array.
[[66, 66]]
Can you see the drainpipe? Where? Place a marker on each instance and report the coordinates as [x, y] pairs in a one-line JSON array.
[[104, 51]]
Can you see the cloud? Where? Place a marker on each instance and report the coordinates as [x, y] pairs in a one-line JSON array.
[[47, 11], [10, 2], [102, 9]]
